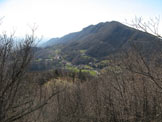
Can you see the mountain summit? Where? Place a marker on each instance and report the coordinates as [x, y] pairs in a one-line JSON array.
[[101, 39], [97, 42]]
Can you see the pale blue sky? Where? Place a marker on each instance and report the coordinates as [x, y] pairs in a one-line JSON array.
[[56, 18]]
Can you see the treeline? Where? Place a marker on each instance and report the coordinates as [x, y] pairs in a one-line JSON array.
[[129, 91]]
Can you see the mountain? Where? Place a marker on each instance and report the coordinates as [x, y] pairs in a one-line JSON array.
[[50, 42], [96, 43]]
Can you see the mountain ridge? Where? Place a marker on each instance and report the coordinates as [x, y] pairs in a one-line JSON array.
[[96, 43], [88, 29]]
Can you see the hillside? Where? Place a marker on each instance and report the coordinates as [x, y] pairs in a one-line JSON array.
[[94, 45]]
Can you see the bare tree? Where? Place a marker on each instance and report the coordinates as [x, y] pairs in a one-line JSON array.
[[150, 26], [18, 95]]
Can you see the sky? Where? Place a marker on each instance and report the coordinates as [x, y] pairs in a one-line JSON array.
[[55, 18]]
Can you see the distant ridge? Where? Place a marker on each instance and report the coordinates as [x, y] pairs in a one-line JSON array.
[[101, 40]]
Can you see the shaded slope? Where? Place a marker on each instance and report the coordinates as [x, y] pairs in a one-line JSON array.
[[101, 40]]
